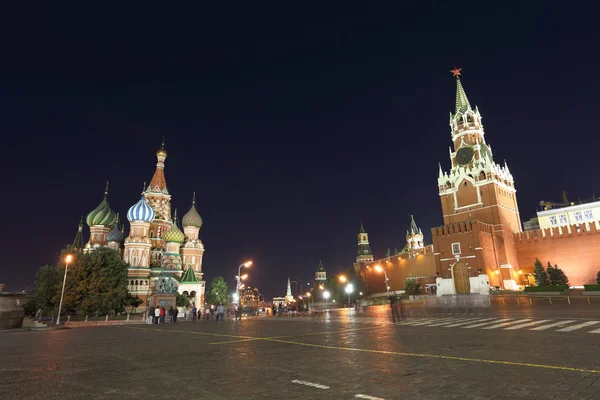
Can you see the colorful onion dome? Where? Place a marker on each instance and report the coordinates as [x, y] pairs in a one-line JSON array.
[[192, 218], [102, 215], [116, 235], [174, 234], [141, 211]]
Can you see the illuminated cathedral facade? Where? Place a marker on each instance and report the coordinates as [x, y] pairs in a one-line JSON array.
[[156, 245]]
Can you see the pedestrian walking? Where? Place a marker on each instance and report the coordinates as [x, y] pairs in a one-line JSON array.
[[162, 315], [199, 314], [194, 313], [150, 315], [394, 307], [171, 315]]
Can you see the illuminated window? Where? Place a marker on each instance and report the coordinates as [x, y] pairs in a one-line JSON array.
[[578, 216], [588, 214], [562, 218], [553, 220]]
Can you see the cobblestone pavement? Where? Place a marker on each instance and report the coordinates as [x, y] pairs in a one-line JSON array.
[[334, 356]]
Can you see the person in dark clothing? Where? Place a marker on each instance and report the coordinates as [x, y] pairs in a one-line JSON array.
[[394, 307]]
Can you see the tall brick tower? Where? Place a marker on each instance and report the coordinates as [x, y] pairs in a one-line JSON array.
[[478, 189], [363, 254]]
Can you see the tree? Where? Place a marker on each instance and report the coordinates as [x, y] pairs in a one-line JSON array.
[[45, 295], [598, 278], [412, 286], [557, 276], [541, 277], [182, 300], [217, 291]]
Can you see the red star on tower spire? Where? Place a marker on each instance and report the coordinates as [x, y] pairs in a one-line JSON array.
[[456, 71]]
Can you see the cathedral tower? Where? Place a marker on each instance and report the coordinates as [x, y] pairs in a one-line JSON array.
[[78, 241], [138, 244], [100, 220], [414, 236], [171, 259], [115, 238], [193, 249], [364, 254], [159, 199]]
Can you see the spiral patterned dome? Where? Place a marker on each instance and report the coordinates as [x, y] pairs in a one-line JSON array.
[[192, 218], [174, 234], [115, 235], [141, 211], [102, 215]]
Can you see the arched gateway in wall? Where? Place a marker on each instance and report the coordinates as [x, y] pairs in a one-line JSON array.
[[460, 273]]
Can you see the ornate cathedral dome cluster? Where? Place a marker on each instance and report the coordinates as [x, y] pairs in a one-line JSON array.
[[174, 234], [102, 215]]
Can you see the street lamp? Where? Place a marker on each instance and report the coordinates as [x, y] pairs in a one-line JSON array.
[[326, 295], [342, 278], [387, 286], [68, 259], [239, 277], [349, 289]]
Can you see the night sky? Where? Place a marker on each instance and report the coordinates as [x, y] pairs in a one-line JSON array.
[[291, 123]]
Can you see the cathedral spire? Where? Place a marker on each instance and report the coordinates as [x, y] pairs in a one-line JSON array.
[[78, 242], [158, 184], [462, 102], [289, 288]]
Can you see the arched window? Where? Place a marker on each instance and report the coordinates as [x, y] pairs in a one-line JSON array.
[[193, 293], [185, 292], [469, 118], [136, 283]]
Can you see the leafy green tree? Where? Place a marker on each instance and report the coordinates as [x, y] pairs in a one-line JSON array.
[[541, 277], [45, 295], [217, 291], [182, 300], [412, 286], [556, 275]]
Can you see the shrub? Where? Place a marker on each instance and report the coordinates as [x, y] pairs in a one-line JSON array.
[[553, 288], [412, 286], [592, 288], [556, 275], [541, 277]]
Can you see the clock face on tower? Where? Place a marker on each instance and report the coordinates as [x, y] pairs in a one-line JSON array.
[[464, 155]]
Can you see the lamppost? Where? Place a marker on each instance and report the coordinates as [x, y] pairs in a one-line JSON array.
[[309, 298], [68, 259], [326, 295], [387, 286], [239, 277], [349, 289]]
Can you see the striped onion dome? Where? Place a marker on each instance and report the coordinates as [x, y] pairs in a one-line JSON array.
[[116, 235], [141, 211], [192, 218], [102, 215], [174, 234]]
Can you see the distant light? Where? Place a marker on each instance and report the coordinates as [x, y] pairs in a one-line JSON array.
[[69, 258], [350, 288], [326, 294], [378, 268], [342, 278]]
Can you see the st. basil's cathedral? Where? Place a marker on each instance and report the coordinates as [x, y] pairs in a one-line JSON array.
[[155, 247]]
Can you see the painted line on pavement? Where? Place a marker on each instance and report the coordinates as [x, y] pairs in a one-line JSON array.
[[364, 396], [544, 327], [471, 322], [316, 385], [193, 332], [439, 356], [485, 323], [595, 331], [298, 335], [519, 321], [525, 325], [575, 327]]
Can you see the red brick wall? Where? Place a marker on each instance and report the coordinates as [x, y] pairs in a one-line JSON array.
[[576, 253], [400, 267]]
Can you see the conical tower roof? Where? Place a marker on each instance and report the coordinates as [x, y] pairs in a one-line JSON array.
[[158, 184], [174, 234], [462, 102], [413, 230], [189, 276], [362, 228], [320, 268], [78, 241]]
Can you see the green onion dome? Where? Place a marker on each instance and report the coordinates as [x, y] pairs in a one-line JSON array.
[[192, 218], [174, 234], [102, 215]]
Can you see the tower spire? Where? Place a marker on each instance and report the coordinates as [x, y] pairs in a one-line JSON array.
[[106, 189], [78, 242], [289, 289], [158, 184], [462, 102]]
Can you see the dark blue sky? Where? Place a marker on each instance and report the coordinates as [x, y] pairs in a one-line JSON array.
[[291, 123]]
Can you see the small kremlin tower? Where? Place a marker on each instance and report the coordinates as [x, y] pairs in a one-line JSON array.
[[320, 275], [414, 236], [364, 254]]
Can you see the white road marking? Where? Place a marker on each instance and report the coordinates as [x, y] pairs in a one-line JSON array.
[[544, 327], [471, 320], [364, 396], [430, 321], [579, 326], [316, 385], [485, 323], [506, 324], [515, 327], [467, 323], [595, 331]]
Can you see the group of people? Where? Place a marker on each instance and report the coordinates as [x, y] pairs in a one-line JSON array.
[[397, 309], [157, 315]]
